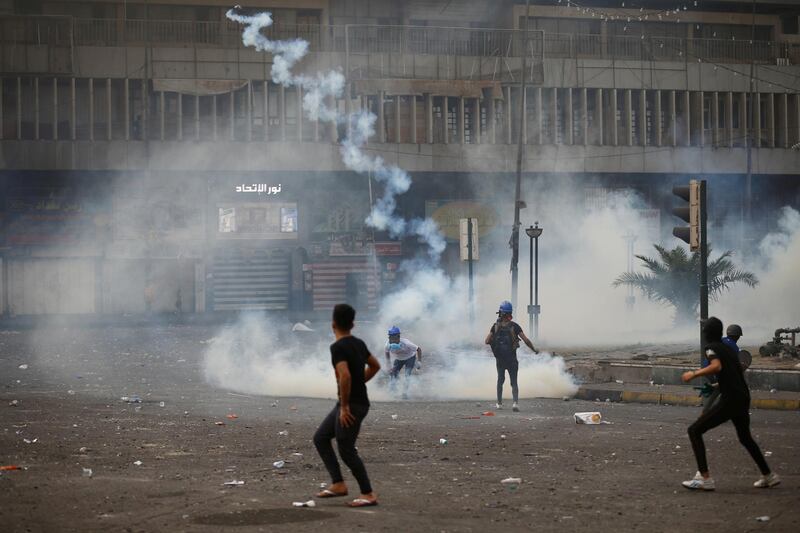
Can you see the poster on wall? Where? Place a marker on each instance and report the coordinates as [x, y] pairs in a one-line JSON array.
[[257, 220]]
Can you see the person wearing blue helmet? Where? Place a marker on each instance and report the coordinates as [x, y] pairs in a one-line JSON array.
[[407, 355], [504, 337]]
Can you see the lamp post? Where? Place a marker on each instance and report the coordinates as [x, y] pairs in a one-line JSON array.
[[533, 309]]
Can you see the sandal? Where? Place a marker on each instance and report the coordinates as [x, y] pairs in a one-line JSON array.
[[328, 493], [361, 502]]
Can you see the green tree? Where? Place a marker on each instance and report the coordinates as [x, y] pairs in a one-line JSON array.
[[673, 277]]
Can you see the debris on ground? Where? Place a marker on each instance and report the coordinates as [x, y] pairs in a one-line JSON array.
[[442, 441], [394, 417], [511, 481], [283, 433], [29, 441], [487, 413], [131, 399], [234, 483], [23, 367], [279, 464], [764, 518], [13, 403], [137, 463], [219, 423], [767, 454], [9, 467], [309, 503], [232, 416], [589, 418], [87, 472]]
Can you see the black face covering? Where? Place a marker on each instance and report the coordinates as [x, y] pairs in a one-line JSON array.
[[712, 329]]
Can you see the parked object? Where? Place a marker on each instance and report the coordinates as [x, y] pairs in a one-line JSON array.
[[783, 344]]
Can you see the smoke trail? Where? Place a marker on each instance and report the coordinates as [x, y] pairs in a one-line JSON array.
[[361, 126]]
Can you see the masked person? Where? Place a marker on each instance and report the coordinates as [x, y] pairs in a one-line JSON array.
[[733, 405], [353, 365], [407, 355], [504, 337], [711, 389]]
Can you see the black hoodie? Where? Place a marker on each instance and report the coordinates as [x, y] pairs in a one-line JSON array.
[[732, 385]]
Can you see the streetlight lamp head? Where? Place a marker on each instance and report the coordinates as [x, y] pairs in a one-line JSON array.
[[534, 232]]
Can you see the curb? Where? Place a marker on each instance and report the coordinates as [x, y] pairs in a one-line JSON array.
[[668, 398]]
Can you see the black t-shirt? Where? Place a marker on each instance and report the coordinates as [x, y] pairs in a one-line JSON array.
[[353, 351], [732, 385], [500, 346]]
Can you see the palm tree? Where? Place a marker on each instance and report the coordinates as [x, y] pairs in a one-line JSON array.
[[673, 279]]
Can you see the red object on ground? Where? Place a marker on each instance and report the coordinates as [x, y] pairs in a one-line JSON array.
[[488, 413], [232, 416], [10, 467]]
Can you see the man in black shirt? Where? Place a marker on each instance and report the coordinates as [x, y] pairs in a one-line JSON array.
[[504, 337], [353, 365], [734, 405]]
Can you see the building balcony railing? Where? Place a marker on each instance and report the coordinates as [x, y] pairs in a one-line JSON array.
[[418, 40]]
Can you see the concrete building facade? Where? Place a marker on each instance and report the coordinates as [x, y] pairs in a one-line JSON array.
[[130, 131]]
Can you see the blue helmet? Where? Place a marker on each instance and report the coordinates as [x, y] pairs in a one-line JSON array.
[[394, 331], [505, 307]]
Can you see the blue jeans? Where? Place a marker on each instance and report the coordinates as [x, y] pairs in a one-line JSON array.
[[398, 365]]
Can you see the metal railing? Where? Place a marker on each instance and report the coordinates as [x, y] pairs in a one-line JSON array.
[[369, 39]]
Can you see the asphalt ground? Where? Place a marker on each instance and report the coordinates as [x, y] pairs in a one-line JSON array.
[[621, 476]]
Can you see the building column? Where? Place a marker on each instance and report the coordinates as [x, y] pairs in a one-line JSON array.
[[771, 119], [476, 121], [248, 107], [568, 118], [108, 109], [19, 107], [729, 119], [397, 130], [73, 110], [461, 121], [744, 118], [715, 141], [508, 115], [428, 118], [162, 108], [783, 120], [412, 110], [266, 111], [585, 116], [126, 89], [643, 117], [282, 110], [197, 117], [756, 126], [614, 125], [687, 106], [299, 111], [554, 115], [146, 109], [381, 118], [55, 109], [214, 116], [628, 116], [91, 109], [796, 119], [36, 108], [444, 121], [538, 114], [658, 122], [673, 122], [333, 131], [491, 116], [598, 116], [180, 116]]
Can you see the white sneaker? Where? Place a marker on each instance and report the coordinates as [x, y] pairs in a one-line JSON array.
[[767, 481], [699, 484], [498, 406], [515, 407]]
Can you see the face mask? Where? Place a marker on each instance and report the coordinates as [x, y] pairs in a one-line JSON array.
[[394, 346]]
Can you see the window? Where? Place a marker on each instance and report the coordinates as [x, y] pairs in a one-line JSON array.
[[258, 221]]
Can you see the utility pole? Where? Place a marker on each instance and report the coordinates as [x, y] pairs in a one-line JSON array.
[[514, 242], [750, 133]]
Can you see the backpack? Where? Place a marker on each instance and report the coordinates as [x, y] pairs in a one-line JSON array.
[[504, 343]]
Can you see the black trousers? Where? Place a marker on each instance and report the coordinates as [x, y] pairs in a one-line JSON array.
[[718, 413], [512, 366], [332, 428]]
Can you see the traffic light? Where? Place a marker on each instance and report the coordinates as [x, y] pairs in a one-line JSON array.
[[691, 214]]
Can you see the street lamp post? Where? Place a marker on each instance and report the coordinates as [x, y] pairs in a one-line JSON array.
[[533, 309]]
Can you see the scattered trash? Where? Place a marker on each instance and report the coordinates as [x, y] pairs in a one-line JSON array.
[[87, 472], [512, 481], [274, 404], [323, 485], [298, 455], [293, 408], [83, 449], [677, 446], [773, 390], [137, 463], [394, 417], [23, 367], [279, 464], [28, 441], [487, 413], [619, 381], [588, 418], [283, 433], [764, 518], [767, 454], [10, 467], [565, 398], [219, 423], [442, 441], [131, 399], [503, 437], [232, 416], [71, 392], [309, 503], [13, 403], [234, 483], [161, 404]]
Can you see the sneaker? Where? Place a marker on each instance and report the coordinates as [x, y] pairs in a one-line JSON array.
[[699, 484], [770, 480], [498, 406], [515, 407]]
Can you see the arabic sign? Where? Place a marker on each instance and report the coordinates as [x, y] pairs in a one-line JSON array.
[[449, 214], [259, 188]]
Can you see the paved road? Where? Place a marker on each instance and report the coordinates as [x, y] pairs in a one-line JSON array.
[[624, 476]]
